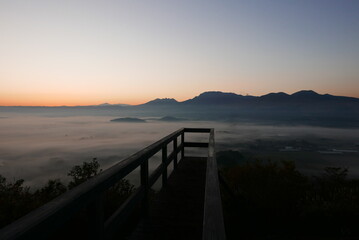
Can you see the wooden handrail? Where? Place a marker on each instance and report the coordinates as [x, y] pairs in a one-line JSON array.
[[213, 225], [44, 221]]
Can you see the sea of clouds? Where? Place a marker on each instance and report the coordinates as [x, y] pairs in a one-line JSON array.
[[38, 148]]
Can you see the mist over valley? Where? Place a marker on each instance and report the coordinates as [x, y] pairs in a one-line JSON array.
[[46, 143]]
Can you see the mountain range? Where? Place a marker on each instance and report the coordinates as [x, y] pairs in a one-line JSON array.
[[305, 107], [222, 98]]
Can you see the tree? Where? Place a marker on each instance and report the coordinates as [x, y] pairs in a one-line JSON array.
[[52, 189], [82, 173]]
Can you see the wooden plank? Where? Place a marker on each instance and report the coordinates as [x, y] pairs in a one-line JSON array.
[[197, 130], [121, 214], [175, 156], [182, 145], [159, 170], [196, 144], [213, 224], [96, 218], [170, 158], [145, 186], [176, 212], [180, 149], [164, 166], [155, 175]]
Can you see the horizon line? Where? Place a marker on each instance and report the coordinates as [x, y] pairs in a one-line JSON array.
[[125, 104]]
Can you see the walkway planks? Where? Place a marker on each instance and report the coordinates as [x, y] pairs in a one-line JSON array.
[[176, 212]]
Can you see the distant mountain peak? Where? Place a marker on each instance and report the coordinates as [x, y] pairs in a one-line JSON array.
[[276, 94], [217, 97], [279, 96], [216, 93], [282, 93], [110, 105], [305, 93], [163, 101]]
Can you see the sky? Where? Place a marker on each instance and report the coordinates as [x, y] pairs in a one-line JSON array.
[[77, 52]]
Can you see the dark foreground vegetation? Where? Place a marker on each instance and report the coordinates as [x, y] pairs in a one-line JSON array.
[[262, 199], [16, 199], [266, 199]]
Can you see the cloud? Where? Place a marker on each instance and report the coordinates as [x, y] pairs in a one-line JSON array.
[[38, 148]]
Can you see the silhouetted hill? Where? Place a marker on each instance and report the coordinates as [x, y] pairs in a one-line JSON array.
[[106, 105], [218, 98], [161, 101], [301, 108], [306, 93], [281, 96], [304, 107], [223, 98], [307, 96], [128, 119], [304, 96]]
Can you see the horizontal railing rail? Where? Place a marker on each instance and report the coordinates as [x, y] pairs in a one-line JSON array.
[[44, 221], [213, 225]]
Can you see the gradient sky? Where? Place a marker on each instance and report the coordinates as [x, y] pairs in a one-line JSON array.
[[74, 52]]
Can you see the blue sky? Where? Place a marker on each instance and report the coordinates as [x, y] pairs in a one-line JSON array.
[[88, 52]]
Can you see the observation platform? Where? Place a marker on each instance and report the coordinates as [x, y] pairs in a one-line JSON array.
[[188, 206], [176, 212]]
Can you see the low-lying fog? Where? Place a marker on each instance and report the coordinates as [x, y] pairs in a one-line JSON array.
[[38, 148]]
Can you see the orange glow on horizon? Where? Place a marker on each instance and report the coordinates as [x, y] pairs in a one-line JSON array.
[[58, 103], [60, 100]]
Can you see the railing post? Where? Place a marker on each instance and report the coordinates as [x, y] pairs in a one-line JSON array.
[[145, 185], [175, 152], [96, 218], [164, 165], [182, 150]]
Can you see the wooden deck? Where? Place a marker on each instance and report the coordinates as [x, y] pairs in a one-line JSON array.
[[188, 206], [176, 212]]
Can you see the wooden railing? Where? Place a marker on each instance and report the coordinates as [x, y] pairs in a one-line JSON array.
[[44, 221], [213, 225]]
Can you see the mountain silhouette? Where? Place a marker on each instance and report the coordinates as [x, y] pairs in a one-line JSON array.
[[161, 101], [304, 107], [306, 93], [281, 98], [218, 98]]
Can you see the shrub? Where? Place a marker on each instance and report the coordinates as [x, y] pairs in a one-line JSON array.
[[272, 199], [16, 200], [82, 173]]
